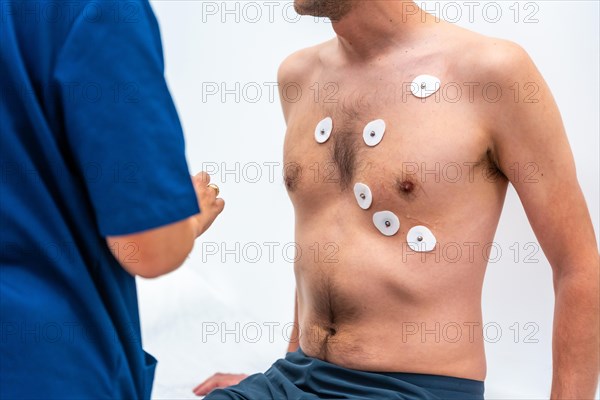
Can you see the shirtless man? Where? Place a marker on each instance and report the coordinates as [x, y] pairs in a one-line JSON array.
[[372, 309]]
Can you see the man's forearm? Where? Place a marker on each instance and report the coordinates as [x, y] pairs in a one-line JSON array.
[[294, 344], [575, 343]]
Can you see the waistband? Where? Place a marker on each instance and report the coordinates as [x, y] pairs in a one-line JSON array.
[[439, 385]]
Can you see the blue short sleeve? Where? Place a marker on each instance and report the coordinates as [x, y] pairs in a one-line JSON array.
[[119, 120]]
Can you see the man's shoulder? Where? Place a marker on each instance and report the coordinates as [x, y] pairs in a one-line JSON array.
[[487, 59], [298, 66]]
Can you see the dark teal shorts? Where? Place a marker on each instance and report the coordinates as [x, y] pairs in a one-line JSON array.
[[299, 377]]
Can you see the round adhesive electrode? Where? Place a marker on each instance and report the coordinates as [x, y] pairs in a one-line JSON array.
[[363, 195], [373, 132], [421, 239], [323, 130], [424, 86], [387, 222]]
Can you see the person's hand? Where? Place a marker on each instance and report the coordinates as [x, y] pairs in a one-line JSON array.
[[210, 205], [218, 381]]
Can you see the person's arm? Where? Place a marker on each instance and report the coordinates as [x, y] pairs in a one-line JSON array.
[[162, 250], [144, 202], [294, 344], [532, 150]]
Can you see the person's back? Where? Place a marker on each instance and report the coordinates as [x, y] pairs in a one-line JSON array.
[[91, 147]]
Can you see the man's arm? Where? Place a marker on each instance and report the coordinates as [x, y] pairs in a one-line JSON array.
[[532, 150], [294, 344], [157, 252]]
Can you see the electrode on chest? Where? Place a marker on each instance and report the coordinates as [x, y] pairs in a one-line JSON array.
[[373, 132], [424, 86], [419, 238], [387, 222], [363, 195], [323, 130]]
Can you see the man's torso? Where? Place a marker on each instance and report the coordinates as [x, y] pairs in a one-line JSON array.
[[367, 301]]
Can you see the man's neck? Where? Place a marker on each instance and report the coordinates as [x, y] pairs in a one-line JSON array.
[[374, 27]]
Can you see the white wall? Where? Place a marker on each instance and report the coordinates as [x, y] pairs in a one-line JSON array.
[[206, 293]]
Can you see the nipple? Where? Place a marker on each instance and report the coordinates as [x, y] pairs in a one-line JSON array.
[[323, 130], [421, 239], [424, 86], [387, 222], [373, 132], [363, 194], [405, 187]]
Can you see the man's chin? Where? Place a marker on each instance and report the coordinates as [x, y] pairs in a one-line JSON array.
[[301, 10], [332, 9], [313, 8]]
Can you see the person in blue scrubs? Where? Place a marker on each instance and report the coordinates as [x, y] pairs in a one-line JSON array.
[[95, 190]]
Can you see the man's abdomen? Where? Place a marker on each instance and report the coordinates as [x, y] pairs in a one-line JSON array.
[[367, 302]]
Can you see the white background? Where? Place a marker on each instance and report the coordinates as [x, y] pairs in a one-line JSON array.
[[206, 46]]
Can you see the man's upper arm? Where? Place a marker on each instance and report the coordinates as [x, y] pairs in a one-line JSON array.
[[532, 150]]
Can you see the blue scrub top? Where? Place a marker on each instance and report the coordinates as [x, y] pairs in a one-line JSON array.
[[91, 146]]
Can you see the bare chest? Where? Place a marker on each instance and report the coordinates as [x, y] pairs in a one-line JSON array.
[[402, 146]]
